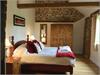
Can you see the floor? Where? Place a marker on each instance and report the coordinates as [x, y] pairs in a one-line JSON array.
[[85, 67]]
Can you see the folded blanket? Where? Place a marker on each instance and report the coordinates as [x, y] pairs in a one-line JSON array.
[[65, 51]]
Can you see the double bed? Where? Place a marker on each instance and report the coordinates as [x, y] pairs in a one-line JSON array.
[[49, 60]]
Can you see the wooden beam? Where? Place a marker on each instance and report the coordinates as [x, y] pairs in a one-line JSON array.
[[71, 4], [96, 12]]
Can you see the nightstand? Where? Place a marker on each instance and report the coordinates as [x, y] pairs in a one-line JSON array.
[[9, 65], [12, 65]]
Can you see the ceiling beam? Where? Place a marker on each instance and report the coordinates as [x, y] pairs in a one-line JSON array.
[[96, 12], [67, 4]]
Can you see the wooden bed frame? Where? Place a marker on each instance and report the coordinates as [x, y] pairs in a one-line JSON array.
[[43, 68]]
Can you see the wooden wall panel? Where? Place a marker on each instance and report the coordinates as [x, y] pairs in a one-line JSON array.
[[61, 34]]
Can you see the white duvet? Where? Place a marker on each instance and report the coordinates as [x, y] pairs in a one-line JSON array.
[[46, 51]]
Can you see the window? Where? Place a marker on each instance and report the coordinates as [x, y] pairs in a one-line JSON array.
[[97, 35]]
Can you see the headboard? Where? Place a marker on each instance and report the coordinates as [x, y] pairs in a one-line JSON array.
[[19, 42], [30, 46]]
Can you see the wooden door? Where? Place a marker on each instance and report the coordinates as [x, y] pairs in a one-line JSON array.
[[61, 34]]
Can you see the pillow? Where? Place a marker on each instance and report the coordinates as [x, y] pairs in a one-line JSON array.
[[20, 51], [31, 47], [64, 49], [35, 41], [42, 45], [38, 47]]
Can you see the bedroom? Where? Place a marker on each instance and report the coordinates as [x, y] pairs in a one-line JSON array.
[[33, 28]]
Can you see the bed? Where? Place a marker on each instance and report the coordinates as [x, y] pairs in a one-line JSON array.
[[47, 61]]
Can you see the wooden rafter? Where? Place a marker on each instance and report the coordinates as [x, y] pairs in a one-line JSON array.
[[67, 4], [96, 12]]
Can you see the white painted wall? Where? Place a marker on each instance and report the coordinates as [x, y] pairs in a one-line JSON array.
[[95, 55], [78, 31], [78, 36], [17, 31], [95, 51], [87, 10], [79, 28]]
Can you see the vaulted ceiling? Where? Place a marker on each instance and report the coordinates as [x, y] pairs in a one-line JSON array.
[[57, 14], [59, 10]]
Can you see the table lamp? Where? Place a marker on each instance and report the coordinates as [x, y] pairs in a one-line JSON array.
[[9, 48]]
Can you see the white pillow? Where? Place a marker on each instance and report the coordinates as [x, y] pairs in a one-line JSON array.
[[65, 49], [42, 45], [38, 47], [20, 51]]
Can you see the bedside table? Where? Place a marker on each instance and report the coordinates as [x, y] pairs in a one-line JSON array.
[[12, 65], [9, 65]]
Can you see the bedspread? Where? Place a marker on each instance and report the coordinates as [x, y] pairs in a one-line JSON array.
[[64, 51], [35, 58]]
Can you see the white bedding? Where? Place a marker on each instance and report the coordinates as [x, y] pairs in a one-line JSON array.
[[47, 56], [36, 58], [48, 51]]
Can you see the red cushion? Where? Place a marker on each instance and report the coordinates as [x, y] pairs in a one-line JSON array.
[[31, 47], [67, 54]]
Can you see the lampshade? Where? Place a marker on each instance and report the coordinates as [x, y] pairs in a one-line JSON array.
[[32, 37], [7, 43], [43, 39]]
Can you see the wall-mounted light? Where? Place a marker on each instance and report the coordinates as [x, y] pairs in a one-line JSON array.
[[43, 33], [43, 38], [32, 37], [9, 48], [7, 43]]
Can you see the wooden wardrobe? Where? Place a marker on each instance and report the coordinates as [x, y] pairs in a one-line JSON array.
[[61, 34]]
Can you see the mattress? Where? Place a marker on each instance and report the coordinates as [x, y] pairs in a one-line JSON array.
[[36, 58]]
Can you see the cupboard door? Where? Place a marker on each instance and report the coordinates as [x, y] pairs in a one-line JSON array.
[[61, 34]]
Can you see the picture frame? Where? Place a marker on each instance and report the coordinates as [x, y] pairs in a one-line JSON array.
[[18, 21]]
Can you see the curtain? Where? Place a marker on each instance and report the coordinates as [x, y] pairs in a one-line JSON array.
[[94, 28]]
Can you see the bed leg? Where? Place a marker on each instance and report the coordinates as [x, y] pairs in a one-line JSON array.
[[71, 73]]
